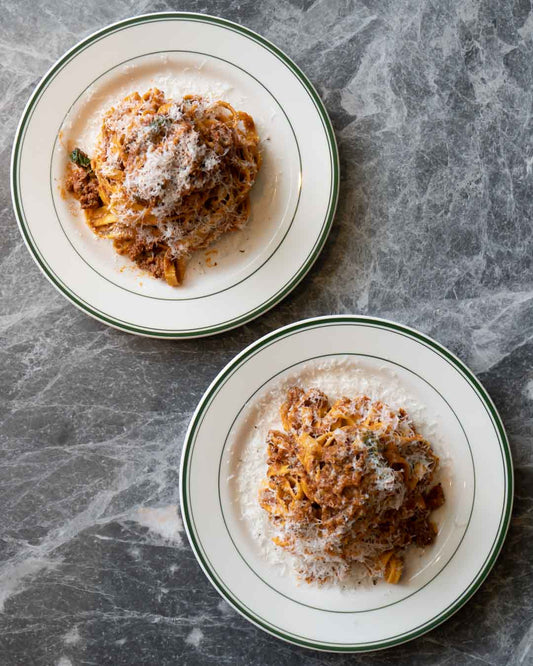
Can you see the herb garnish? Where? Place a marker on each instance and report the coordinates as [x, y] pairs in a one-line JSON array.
[[159, 123], [372, 443], [80, 158]]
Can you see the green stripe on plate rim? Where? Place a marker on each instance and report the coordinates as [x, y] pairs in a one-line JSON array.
[[427, 342], [119, 323], [306, 360]]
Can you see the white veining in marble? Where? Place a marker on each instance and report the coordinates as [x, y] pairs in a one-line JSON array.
[[432, 106]]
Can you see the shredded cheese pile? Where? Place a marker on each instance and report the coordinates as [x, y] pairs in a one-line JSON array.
[[348, 484]]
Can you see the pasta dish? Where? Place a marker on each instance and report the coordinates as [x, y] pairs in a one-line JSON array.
[[348, 486], [167, 178]]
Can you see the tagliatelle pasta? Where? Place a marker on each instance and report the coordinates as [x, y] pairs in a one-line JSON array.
[[168, 177], [348, 485]]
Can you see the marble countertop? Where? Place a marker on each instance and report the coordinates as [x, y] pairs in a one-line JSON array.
[[432, 105]]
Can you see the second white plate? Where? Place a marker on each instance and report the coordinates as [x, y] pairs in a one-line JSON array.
[[389, 362]]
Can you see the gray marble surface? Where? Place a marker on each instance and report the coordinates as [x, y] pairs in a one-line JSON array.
[[432, 106]]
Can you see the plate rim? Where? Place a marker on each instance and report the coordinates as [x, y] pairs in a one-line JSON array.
[[479, 577], [218, 327]]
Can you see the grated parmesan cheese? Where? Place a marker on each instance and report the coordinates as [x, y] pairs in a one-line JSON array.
[[166, 174]]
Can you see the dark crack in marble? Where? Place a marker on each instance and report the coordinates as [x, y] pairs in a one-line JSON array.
[[432, 106]]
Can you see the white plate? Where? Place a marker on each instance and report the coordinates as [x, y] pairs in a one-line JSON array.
[[293, 201], [452, 408]]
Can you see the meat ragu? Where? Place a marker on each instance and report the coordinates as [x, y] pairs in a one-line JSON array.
[[81, 180], [147, 257], [349, 486], [167, 178]]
